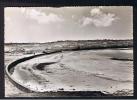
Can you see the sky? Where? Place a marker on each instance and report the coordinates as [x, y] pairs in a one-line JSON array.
[[46, 24]]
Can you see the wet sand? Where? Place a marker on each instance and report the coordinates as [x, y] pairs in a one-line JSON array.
[[87, 70]]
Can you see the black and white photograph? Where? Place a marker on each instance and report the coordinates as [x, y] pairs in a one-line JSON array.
[[68, 51]]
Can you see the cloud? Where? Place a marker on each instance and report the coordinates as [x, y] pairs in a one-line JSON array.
[[99, 18], [41, 17], [95, 11]]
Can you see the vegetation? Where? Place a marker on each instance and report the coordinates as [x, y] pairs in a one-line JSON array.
[[59, 46]]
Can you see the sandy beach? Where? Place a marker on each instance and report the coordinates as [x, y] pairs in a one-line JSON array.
[[87, 70]]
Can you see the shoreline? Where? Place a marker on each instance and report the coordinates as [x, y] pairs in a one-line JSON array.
[[122, 92]]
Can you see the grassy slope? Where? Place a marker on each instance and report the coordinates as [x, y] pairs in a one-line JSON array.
[[69, 45]]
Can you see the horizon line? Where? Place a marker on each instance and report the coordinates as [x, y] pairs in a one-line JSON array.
[[66, 40]]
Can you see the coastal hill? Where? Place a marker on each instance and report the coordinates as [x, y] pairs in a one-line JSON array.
[[68, 45]]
